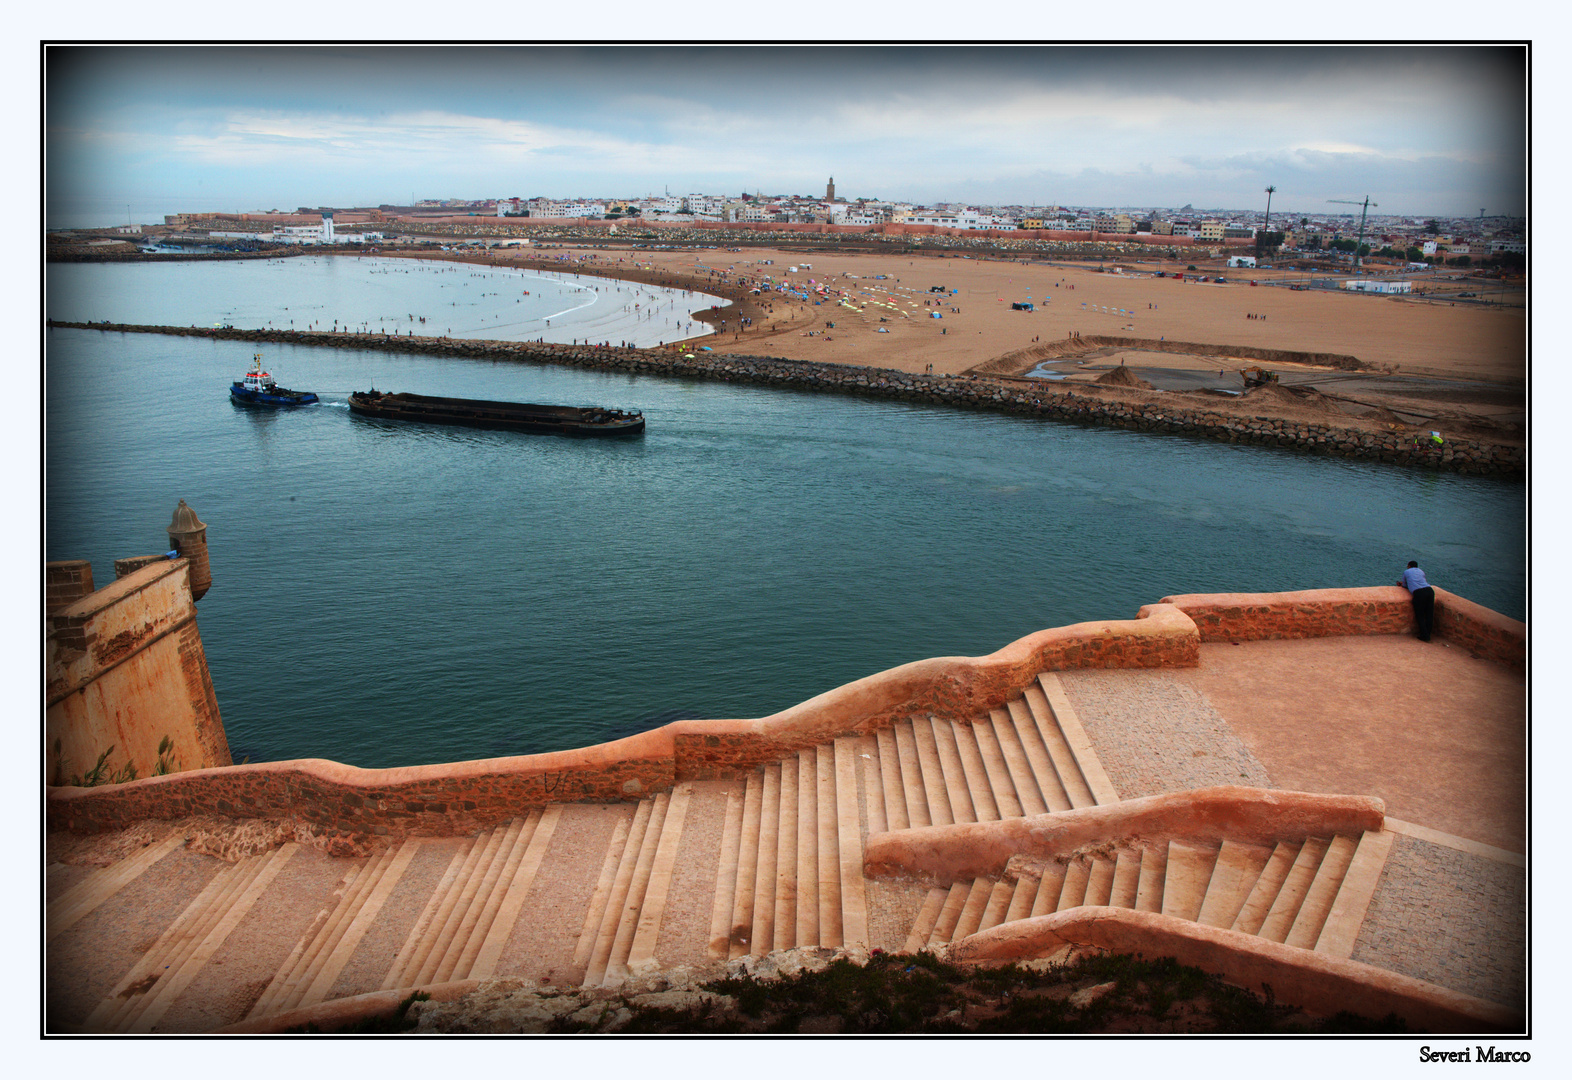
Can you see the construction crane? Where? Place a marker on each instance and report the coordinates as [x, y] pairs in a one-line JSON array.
[[1367, 204]]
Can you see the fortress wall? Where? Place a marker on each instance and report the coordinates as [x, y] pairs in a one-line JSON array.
[[357, 805], [124, 668], [1481, 631], [1384, 609]]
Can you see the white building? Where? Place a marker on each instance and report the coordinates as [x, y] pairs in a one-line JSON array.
[[1236, 261], [1378, 286]]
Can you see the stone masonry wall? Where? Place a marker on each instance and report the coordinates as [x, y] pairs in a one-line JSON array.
[[1048, 401], [125, 668], [340, 801], [1385, 609]]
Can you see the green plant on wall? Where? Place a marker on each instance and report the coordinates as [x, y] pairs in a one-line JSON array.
[[100, 774], [166, 764]]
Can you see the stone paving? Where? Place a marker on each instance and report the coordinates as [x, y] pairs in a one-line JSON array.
[[1449, 917], [1156, 735]]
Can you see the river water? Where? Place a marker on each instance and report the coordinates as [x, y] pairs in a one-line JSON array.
[[390, 595]]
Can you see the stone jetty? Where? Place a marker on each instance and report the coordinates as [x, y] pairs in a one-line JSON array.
[[1050, 401]]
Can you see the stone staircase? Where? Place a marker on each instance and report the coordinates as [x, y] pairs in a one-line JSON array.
[[788, 873], [1311, 894]]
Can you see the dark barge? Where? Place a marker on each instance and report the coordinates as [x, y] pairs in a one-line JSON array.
[[509, 415]]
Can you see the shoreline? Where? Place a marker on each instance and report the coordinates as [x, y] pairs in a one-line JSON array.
[[1105, 406]]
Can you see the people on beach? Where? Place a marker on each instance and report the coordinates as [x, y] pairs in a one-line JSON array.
[[1423, 598]]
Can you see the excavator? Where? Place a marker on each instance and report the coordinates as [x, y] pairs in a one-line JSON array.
[[1257, 376]]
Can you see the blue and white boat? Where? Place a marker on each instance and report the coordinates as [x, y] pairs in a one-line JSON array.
[[258, 388]]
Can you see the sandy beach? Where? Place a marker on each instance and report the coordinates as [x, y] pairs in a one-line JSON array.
[[1427, 359]]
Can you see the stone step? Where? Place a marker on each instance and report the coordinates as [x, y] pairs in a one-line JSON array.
[[978, 787], [1000, 785], [1285, 905], [493, 893], [646, 937], [1066, 768], [288, 981], [617, 845], [145, 992], [785, 917], [86, 895], [1099, 884], [927, 918], [853, 889], [476, 902], [725, 882], [466, 887], [1188, 874], [911, 776], [385, 878], [1072, 892], [1265, 889], [1044, 774], [956, 784], [628, 918], [1021, 898], [831, 926], [762, 938], [1049, 889], [1354, 894], [517, 889], [740, 936], [872, 784], [1234, 875], [1126, 879], [972, 911], [807, 930], [1098, 785], [1154, 871], [420, 940], [605, 934], [949, 914], [310, 971], [999, 901], [1317, 905], [935, 790], [890, 780], [1015, 761]]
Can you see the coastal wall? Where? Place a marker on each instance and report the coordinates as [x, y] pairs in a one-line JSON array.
[[354, 807], [1385, 609], [1049, 400], [124, 667]]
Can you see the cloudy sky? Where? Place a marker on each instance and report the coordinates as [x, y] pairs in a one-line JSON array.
[[1421, 130]]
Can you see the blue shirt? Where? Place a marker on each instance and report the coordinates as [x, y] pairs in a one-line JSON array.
[[1414, 578]]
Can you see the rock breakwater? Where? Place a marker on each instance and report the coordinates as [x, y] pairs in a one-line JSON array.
[[1048, 401]]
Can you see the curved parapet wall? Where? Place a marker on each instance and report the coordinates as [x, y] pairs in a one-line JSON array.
[[948, 853], [948, 686], [1314, 981], [455, 799], [1385, 609], [458, 798]]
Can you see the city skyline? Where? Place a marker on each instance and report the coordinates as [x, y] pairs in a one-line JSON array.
[[1421, 130]]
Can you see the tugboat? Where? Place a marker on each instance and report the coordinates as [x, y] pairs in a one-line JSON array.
[[258, 388], [509, 415]]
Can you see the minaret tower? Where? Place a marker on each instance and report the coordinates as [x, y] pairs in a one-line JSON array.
[[829, 190]]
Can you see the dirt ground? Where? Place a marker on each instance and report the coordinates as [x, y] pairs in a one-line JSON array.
[[1428, 361]]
